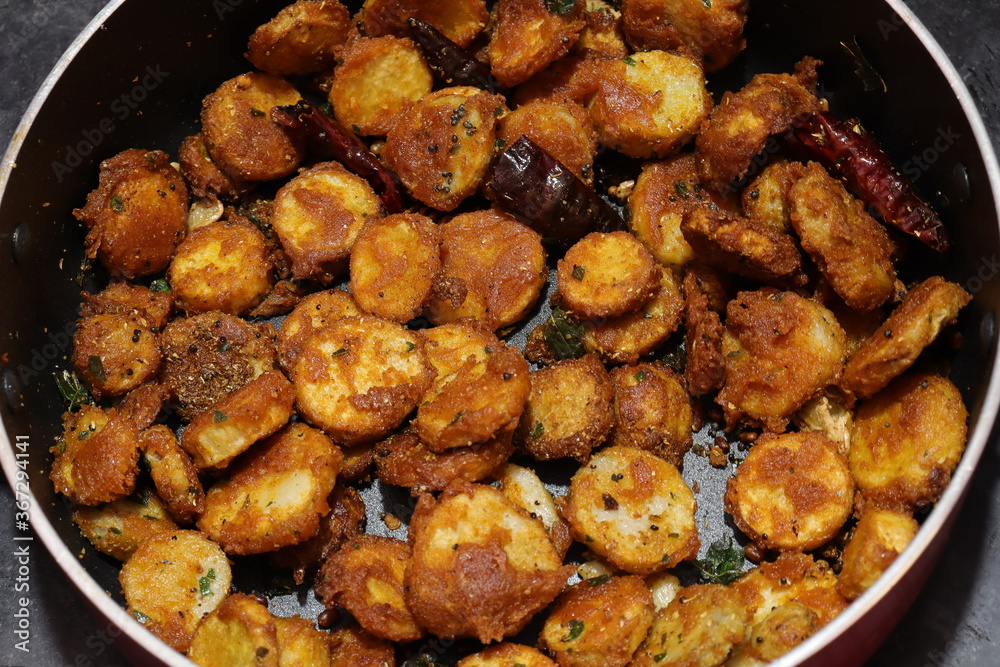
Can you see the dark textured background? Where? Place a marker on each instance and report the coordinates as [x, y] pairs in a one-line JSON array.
[[954, 620]]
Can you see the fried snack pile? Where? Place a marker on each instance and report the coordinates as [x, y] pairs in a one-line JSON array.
[[295, 311]]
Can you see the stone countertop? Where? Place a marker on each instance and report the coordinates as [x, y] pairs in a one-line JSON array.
[[953, 620]]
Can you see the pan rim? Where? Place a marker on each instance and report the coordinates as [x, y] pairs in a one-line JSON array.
[[930, 529]]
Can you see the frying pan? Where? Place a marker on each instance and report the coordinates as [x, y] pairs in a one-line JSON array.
[[136, 79]]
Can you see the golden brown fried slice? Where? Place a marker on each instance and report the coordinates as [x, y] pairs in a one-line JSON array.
[[344, 522], [207, 357], [116, 353], [528, 36], [97, 457], [203, 176], [173, 473], [276, 496], [851, 249], [365, 577], [699, 628], [574, 77], [776, 634], [441, 147], [599, 624], [793, 492], [240, 632], [310, 315], [353, 647], [137, 215], [524, 488], [652, 411], [663, 194], [359, 377], [302, 39], [239, 133], [560, 126], [704, 366], [791, 577], [142, 405], [479, 402], [627, 338], [251, 413], [481, 566], [740, 125], [634, 509], [907, 441], [449, 346], [300, 644], [912, 326], [459, 20], [649, 104], [606, 275], [172, 581], [493, 269], [739, 245], [403, 460], [358, 463], [568, 412], [603, 33], [880, 536], [377, 79], [224, 266], [121, 297], [118, 528], [711, 30], [506, 655], [781, 350], [765, 199], [318, 215], [395, 262]]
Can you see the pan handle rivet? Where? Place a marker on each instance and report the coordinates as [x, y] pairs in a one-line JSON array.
[[962, 185], [12, 390], [20, 242]]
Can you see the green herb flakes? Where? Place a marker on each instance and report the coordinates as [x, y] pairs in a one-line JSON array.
[[563, 335], [575, 630], [560, 7], [96, 368], [116, 204], [73, 393], [599, 579], [723, 563], [220, 416], [205, 583]]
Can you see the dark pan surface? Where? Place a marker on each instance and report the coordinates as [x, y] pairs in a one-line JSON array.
[[39, 288]]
